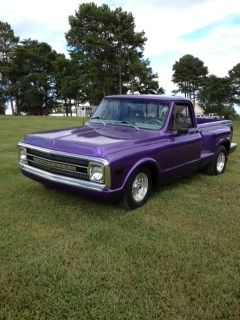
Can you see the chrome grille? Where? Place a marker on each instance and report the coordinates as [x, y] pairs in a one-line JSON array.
[[57, 157], [58, 164]]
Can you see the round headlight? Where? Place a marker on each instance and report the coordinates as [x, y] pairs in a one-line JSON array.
[[96, 173], [23, 155]]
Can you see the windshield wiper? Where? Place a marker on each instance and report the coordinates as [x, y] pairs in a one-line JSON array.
[[131, 123], [98, 118]]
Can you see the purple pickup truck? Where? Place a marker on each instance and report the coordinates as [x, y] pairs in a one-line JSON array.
[[130, 142]]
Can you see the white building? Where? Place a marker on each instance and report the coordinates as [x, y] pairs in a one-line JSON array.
[[198, 110], [85, 110]]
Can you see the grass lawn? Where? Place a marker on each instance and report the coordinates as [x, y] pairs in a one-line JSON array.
[[65, 256]]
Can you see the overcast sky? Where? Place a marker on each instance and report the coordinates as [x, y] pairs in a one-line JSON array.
[[208, 29]]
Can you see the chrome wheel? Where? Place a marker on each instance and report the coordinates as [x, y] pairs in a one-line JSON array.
[[221, 160], [140, 187], [218, 164]]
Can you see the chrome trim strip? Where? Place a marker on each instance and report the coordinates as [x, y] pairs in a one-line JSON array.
[[61, 153], [107, 177], [88, 185]]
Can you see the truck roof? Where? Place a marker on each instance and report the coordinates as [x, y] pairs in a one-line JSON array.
[[149, 96]]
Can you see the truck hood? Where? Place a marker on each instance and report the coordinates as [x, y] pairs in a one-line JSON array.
[[94, 140]]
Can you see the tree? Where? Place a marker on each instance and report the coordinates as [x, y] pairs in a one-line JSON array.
[[68, 82], [8, 43], [106, 46], [142, 78], [32, 74], [189, 74], [2, 99], [234, 75], [217, 96], [127, 44]]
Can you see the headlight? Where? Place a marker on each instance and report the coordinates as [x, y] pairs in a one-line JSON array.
[[96, 172], [23, 155]]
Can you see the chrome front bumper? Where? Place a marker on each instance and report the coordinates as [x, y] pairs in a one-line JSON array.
[[233, 147], [87, 185]]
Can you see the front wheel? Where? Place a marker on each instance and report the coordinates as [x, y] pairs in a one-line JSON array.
[[138, 188], [219, 162]]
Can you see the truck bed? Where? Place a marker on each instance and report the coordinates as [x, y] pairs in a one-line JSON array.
[[212, 124], [208, 119]]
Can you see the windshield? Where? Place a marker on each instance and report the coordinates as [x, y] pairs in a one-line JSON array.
[[139, 113]]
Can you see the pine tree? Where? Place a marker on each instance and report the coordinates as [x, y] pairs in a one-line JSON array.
[[8, 43]]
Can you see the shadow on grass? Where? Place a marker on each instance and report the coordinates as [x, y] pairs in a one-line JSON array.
[[89, 204], [186, 180], [104, 208]]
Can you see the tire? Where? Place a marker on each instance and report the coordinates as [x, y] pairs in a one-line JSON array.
[[138, 189], [219, 162]]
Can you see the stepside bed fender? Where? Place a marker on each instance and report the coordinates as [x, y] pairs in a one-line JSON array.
[[226, 142], [223, 137], [213, 138]]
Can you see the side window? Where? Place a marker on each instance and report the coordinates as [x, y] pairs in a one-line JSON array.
[[181, 117]]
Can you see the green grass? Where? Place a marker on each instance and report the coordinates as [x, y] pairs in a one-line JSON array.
[[65, 256]]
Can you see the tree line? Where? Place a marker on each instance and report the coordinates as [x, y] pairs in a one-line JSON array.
[[214, 94], [106, 56]]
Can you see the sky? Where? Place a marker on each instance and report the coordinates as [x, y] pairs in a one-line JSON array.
[[207, 29]]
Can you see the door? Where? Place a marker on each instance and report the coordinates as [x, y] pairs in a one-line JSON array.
[[182, 151]]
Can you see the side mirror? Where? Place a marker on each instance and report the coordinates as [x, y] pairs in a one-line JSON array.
[[182, 131]]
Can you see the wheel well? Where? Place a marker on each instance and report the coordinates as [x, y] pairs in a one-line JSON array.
[[226, 144], [153, 169]]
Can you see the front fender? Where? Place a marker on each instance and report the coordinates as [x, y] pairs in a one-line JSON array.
[[143, 162]]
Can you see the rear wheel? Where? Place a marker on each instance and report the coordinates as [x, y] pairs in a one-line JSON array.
[[219, 162], [138, 188]]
